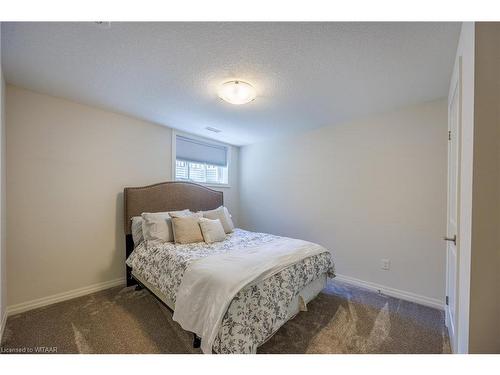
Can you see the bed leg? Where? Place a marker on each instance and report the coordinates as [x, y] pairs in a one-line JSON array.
[[196, 341], [138, 287]]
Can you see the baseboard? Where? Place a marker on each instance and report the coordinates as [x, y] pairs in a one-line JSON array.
[[401, 294], [2, 324], [64, 296]]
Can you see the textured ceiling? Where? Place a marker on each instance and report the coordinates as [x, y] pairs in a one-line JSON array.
[[307, 75]]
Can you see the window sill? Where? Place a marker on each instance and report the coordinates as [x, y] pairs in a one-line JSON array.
[[219, 186]]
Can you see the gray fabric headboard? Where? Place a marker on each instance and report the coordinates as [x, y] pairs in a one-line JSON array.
[[168, 196]]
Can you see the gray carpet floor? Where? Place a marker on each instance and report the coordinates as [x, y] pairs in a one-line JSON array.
[[342, 319]]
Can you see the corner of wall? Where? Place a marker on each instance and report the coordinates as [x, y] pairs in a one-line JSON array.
[[3, 273]]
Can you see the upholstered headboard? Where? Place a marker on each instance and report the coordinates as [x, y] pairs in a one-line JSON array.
[[168, 196], [162, 197]]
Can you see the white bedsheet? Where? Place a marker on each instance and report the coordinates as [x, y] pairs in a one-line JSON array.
[[210, 284]]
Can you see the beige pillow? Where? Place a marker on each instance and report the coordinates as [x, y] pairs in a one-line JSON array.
[[212, 230], [223, 215], [186, 228], [158, 225]]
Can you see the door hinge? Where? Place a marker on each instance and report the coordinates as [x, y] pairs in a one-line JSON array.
[[449, 135], [447, 301]]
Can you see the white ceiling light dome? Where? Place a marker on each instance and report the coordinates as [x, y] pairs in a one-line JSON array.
[[237, 92]]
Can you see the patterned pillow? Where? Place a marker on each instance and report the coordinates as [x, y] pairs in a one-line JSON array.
[[137, 235]]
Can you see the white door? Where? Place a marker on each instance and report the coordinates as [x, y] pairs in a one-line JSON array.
[[454, 130]]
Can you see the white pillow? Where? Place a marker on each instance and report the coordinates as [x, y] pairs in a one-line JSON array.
[[185, 213], [137, 230], [223, 215], [212, 230], [158, 225]]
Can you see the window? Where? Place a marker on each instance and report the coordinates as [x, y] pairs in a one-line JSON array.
[[200, 161]]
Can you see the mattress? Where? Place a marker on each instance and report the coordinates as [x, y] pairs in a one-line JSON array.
[[155, 290]]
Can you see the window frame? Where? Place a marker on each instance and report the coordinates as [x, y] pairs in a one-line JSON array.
[[175, 133]]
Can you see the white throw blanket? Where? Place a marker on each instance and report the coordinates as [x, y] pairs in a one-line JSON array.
[[210, 284]]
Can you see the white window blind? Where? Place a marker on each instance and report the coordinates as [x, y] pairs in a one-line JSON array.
[[202, 152], [201, 162]]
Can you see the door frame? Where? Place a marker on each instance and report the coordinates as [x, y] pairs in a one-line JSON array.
[[455, 89]]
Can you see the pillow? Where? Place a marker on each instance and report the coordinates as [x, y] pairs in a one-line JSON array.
[[137, 235], [212, 230], [158, 225], [198, 214], [186, 228], [223, 215]]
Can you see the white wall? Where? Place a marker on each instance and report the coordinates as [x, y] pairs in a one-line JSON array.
[[366, 190], [67, 165], [3, 222]]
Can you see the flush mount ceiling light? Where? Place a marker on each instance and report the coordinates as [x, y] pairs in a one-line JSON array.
[[237, 92]]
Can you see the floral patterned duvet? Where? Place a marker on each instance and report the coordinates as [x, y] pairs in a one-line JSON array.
[[257, 311]]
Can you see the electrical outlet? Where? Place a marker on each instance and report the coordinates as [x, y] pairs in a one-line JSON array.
[[385, 264]]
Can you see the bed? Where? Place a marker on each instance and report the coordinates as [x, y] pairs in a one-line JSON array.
[[234, 294]]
